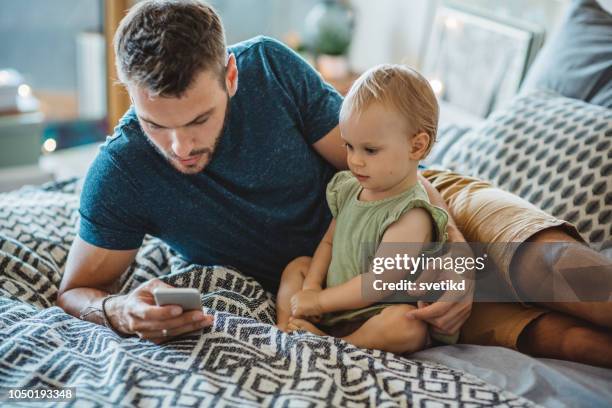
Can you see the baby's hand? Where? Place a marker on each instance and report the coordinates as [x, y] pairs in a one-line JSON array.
[[306, 303]]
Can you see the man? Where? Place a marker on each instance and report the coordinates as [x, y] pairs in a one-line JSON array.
[[230, 171]]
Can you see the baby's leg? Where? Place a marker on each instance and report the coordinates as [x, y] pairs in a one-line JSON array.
[[391, 331], [301, 324], [388, 331], [291, 282]]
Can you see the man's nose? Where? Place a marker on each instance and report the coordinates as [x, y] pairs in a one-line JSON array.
[[182, 143]]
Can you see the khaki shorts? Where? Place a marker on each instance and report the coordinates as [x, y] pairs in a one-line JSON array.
[[487, 214]]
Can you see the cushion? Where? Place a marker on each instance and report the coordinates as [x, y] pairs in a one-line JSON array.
[[553, 151], [577, 61], [447, 136]]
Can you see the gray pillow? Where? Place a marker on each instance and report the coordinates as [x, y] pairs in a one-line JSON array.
[[553, 151], [447, 136], [577, 61]]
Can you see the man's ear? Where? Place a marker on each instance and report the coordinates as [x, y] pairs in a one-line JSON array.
[[231, 75], [419, 144]]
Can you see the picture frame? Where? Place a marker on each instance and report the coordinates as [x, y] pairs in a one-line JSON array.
[[477, 63]]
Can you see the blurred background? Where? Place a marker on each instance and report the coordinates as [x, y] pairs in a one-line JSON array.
[[58, 98]]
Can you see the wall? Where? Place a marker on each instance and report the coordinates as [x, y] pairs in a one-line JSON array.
[[38, 38], [244, 19], [397, 30], [386, 30], [390, 31]]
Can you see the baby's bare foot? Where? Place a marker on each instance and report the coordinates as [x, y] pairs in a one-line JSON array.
[[301, 324]]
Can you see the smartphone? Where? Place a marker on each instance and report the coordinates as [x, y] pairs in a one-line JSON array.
[[187, 298]]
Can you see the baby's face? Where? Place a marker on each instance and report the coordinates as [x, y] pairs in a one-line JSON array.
[[378, 148]]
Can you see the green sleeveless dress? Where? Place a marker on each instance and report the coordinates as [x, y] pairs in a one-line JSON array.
[[360, 226]]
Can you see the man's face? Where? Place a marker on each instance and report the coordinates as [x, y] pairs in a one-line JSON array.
[[186, 130]]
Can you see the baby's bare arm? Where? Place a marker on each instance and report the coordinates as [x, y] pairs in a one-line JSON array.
[[320, 260], [414, 227]]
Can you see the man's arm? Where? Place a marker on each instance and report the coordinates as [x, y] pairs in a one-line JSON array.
[[91, 272], [331, 148], [89, 276], [436, 199], [318, 103], [445, 317], [454, 234]]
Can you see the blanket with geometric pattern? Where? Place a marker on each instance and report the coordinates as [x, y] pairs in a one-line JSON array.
[[242, 360]]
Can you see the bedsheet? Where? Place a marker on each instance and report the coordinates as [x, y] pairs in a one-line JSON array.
[[549, 382]]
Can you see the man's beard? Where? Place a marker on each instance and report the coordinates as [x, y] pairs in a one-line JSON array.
[[172, 159]]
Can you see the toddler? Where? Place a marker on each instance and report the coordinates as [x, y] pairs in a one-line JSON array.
[[388, 122]]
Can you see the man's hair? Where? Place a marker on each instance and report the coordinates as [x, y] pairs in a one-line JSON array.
[[162, 45], [399, 88]]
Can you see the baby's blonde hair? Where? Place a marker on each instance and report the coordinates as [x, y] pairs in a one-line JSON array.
[[400, 88]]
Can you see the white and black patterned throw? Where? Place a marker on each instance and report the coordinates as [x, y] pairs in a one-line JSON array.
[[241, 361]]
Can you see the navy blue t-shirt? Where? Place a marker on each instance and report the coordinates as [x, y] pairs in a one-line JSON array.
[[257, 205]]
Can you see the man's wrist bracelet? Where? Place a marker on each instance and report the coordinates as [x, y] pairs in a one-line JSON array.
[[107, 322], [87, 311]]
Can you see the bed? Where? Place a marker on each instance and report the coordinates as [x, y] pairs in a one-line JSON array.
[[242, 360]]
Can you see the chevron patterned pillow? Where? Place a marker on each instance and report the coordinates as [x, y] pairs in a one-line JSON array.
[[553, 151]]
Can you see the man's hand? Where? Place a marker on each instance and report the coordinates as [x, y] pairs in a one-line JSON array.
[[445, 317], [136, 313], [306, 303], [452, 309]]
